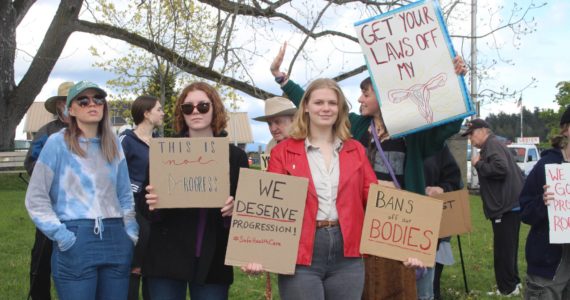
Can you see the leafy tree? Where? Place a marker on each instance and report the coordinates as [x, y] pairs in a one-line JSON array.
[[163, 83], [551, 117], [508, 125]]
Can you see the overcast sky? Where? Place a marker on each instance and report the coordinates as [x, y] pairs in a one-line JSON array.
[[541, 55]]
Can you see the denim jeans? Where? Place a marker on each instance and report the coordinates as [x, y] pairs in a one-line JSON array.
[[330, 276], [424, 285], [172, 289], [97, 266]]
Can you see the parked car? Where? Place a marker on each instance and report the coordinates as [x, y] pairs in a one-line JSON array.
[[526, 156], [472, 179]]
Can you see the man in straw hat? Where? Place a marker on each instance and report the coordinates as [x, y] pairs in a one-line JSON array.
[[40, 266], [279, 113]]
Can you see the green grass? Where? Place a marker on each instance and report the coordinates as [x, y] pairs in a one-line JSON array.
[[478, 257], [17, 233]]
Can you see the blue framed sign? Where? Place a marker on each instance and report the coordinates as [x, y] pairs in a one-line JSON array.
[[409, 57]]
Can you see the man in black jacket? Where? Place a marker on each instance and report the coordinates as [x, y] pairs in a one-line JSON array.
[[500, 183]]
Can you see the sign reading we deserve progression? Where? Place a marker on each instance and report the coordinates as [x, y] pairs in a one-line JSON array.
[[558, 178], [409, 57], [400, 224], [266, 220], [190, 172]]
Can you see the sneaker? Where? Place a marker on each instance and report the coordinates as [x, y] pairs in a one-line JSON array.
[[515, 292]]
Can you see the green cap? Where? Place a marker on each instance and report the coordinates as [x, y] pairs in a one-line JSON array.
[[79, 87]]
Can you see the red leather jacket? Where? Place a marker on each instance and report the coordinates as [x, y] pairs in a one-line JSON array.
[[289, 157]]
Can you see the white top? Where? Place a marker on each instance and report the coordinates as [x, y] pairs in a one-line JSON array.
[[326, 181]]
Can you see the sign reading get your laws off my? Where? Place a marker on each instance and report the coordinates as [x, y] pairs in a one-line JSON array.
[[400, 224], [190, 172], [409, 57], [266, 221], [558, 178]]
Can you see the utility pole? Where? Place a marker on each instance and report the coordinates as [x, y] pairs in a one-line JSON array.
[[473, 77], [522, 110]]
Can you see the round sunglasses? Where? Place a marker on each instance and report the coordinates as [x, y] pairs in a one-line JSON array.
[[84, 101], [202, 107]]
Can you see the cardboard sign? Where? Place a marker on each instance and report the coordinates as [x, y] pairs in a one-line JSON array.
[[264, 161], [400, 224], [266, 221], [190, 172], [558, 178], [456, 217], [409, 57]]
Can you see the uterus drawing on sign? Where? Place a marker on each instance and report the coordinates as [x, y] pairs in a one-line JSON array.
[[419, 94]]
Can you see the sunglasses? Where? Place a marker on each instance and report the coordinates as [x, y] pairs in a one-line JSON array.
[[84, 101], [202, 107]]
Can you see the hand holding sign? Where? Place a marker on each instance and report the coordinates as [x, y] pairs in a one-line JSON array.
[[548, 197]]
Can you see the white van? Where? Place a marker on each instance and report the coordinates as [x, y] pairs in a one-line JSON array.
[[526, 156]]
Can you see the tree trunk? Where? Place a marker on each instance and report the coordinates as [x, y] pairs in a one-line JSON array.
[[15, 100], [7, 56]]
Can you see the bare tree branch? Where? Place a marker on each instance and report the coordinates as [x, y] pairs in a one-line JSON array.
[[179, 61], [22, 7]]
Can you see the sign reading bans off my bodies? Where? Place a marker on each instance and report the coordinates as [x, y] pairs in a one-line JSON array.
[[190, 172], [400, 224], [266, 221]]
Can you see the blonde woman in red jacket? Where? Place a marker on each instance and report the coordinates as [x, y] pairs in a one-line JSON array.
[[329, 263]]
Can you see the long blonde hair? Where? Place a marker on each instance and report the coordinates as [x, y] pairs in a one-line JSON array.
[[300, 128], [104, 131]]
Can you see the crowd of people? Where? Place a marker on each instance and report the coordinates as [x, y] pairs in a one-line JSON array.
[[100, 234]]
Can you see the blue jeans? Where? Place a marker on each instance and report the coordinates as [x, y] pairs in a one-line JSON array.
[[96, 266], [172, 289], [330, 276], [424, 285]]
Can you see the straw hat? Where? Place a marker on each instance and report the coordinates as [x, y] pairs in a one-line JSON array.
[[62, 91], [277, 106]]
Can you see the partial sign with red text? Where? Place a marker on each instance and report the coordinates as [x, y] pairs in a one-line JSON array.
[[558, 178], [266, 221], [400, 224], [190, 172]]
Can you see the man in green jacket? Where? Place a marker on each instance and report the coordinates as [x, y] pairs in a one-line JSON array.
[[385, 278]]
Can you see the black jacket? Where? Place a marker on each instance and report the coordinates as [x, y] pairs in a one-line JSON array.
[[442, 170], [500, 179], [136, 154], [542, 257], [39, 141], [172, 243]]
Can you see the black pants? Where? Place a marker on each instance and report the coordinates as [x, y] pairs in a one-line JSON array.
[[436, 280], [134, 285], [505, 250], [40, 267]]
